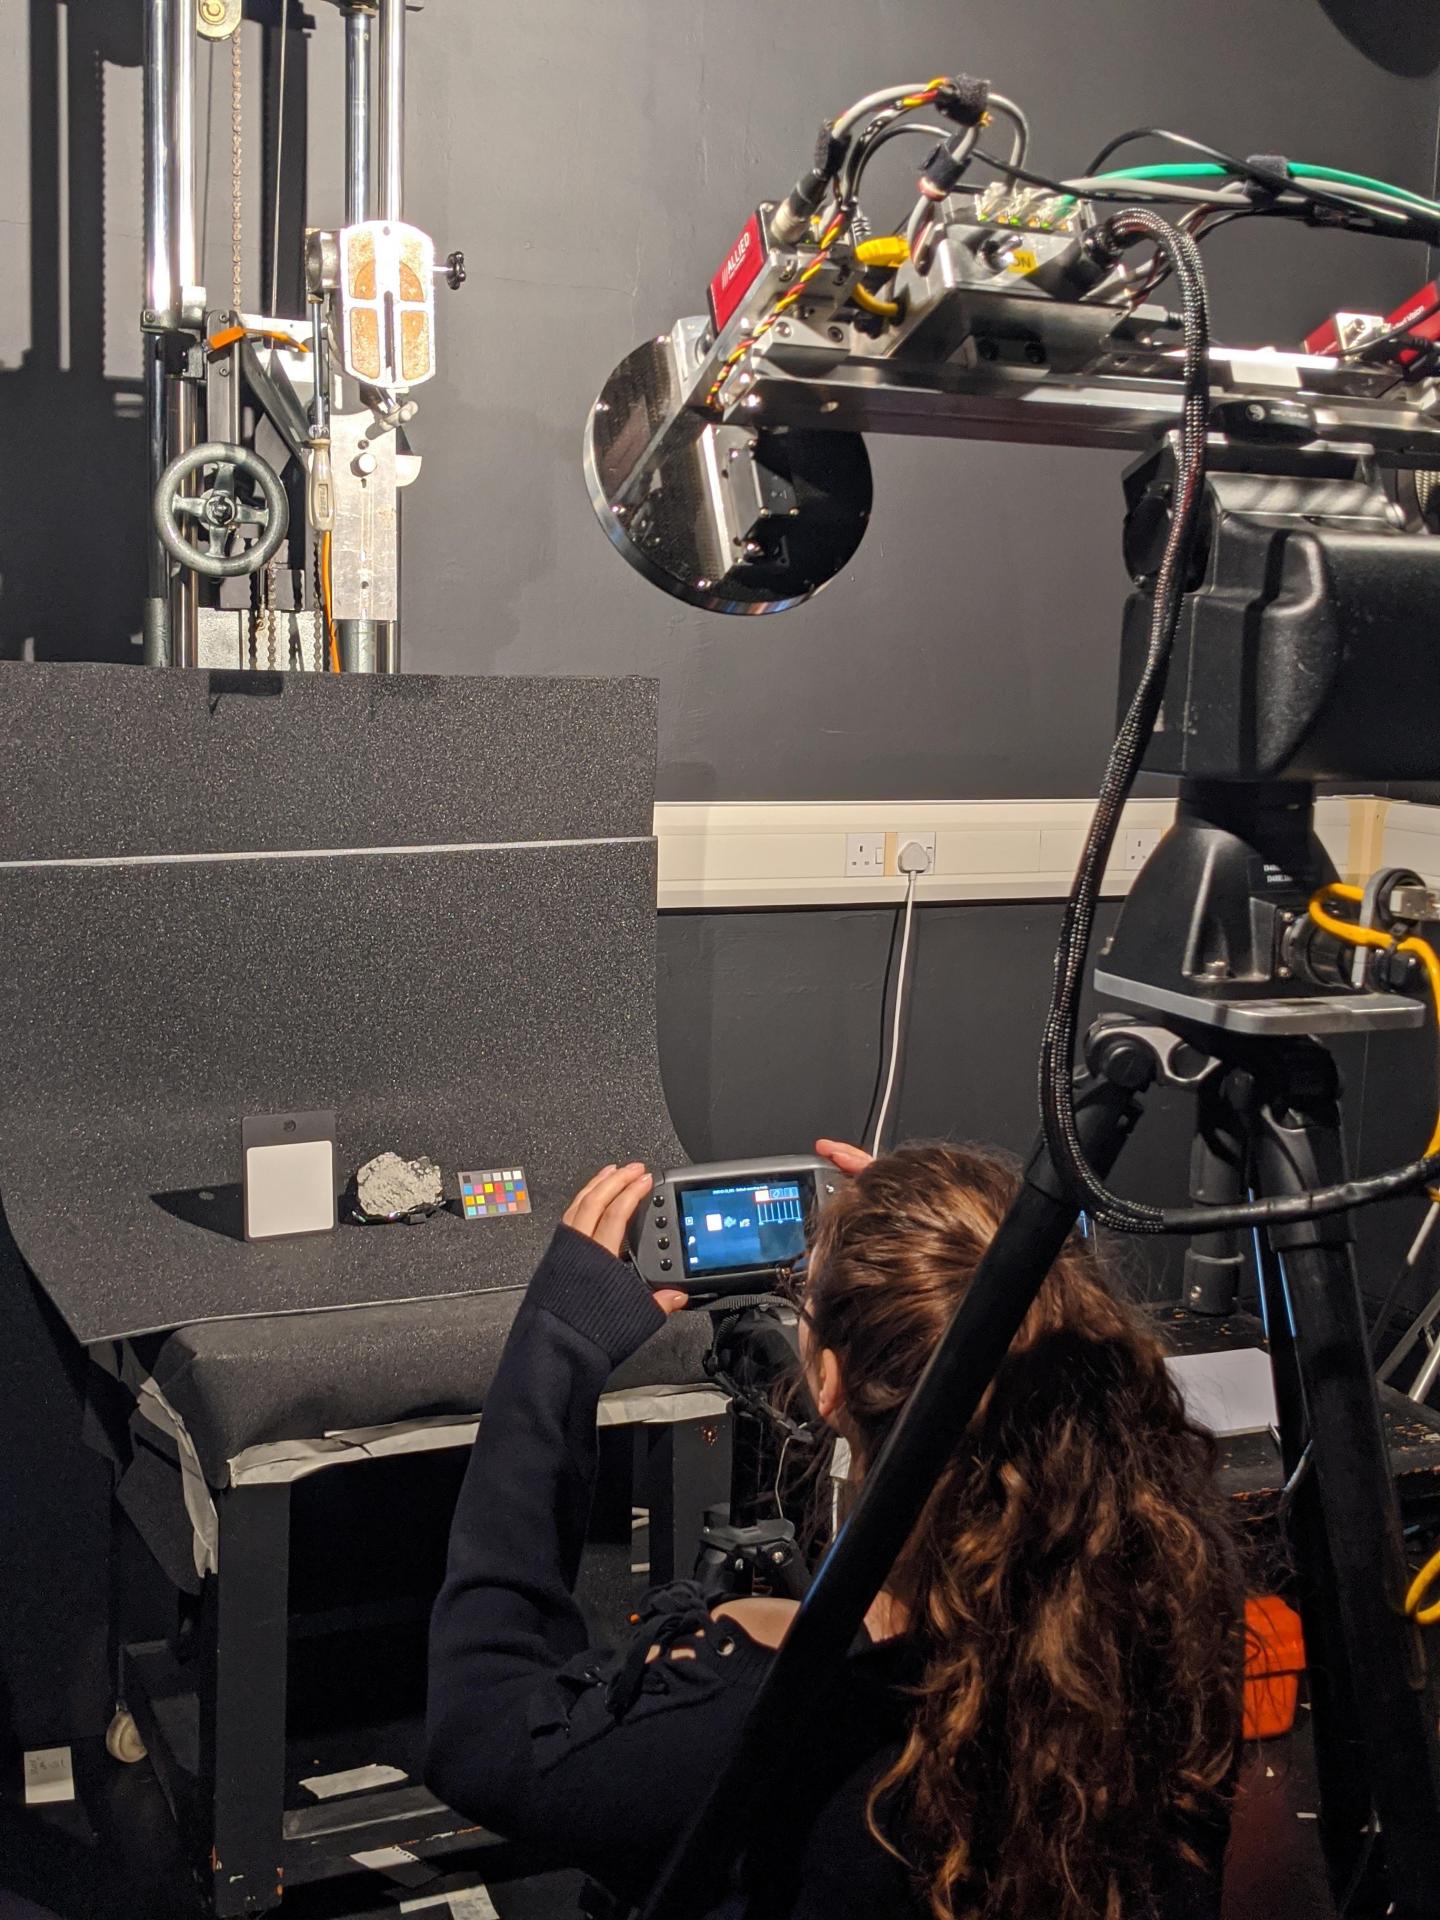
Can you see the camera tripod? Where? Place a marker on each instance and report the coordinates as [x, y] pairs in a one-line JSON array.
[[1268, 1123]]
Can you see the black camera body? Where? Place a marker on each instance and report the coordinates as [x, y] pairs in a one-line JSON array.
[[1306, 647]]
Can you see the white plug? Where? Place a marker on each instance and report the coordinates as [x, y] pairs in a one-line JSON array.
[[914, 857]]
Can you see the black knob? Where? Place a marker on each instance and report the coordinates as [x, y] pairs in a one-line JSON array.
[[664, 1241], [658, 1201], [662, 1223], [665, 1266], [455, 275]]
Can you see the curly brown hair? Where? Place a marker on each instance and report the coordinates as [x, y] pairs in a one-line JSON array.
[[1072, 1581]]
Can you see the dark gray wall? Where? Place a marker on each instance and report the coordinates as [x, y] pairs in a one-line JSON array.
[[595, 163]]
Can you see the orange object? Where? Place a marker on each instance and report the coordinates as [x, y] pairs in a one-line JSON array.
[[1274, 1662]]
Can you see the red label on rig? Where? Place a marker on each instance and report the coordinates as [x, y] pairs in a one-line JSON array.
[[738, 273], [1420, 314]]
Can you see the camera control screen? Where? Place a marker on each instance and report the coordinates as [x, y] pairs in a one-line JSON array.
[[729, 1229]]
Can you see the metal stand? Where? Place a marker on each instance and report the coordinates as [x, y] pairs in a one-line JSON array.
[[1422, 1327], [1269, 1121]]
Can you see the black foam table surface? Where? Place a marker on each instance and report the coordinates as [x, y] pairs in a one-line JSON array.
[[242, 1383]]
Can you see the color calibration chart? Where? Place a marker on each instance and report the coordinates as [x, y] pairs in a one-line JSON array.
[[497, 1190]]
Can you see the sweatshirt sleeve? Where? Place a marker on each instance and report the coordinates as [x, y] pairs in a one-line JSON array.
[[543, 1739], [506, 1613]]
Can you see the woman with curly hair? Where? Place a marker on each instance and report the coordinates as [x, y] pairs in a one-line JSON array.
[[1041, 1720]]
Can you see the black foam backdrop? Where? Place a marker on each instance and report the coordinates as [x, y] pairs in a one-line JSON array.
[[106, 761], [491, 1009], [491, 1005]]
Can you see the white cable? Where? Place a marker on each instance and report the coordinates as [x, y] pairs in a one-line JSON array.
[[899, 1011]]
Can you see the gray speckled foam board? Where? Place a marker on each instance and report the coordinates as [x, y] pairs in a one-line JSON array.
[[239, 1383], [491, 1008], [126, 760]]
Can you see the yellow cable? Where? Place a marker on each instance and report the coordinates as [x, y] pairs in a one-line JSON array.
[[1355, 936], [325, 597], [887, 309], [1426, 1616], [882, 250]]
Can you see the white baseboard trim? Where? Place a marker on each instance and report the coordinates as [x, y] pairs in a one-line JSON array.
[[736, 854]]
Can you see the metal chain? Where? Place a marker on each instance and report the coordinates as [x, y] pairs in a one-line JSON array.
[[271, 567], [237, 158]]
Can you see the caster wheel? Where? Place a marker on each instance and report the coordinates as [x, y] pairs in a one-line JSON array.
[[122, 1739]]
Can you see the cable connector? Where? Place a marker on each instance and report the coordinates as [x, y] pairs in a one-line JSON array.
[[913, 857], [941, 174], [1263, 191], [963, 99], [790, 222]]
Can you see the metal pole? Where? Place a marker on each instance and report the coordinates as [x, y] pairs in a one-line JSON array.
[[183, 107], [392, 110], [159, 266], [357, 114], [160, 302], [392, 207], [155, 638], [185, 590]]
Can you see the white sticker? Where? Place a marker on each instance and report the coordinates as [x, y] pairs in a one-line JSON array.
[[471, 1903], [48, 1776], [325, 1786], [382, 1857]]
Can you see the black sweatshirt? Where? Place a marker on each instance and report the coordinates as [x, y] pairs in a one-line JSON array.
[[598, 1759]]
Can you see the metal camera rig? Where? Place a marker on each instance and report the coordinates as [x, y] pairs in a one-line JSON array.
[[726, 461], [290, 560]]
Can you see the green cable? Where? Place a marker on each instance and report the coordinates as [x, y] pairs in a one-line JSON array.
[[1302, 169]]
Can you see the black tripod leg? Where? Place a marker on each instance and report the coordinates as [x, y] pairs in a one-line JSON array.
[[1356, 1601], [1215, 1262], [1341, 1766], [782, 1720]]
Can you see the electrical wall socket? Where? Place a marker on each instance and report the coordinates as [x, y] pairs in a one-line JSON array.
[[1136, 846], [877, 855], [865, 854], [895, 841]]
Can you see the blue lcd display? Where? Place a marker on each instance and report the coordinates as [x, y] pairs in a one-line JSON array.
[[734, 1229]]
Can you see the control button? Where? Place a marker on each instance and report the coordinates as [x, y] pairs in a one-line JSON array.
[[665, 1265], [664, 1241], [661, 1224], [658, 1201]]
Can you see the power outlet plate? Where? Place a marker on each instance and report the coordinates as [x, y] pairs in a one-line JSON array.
[[895, 841], [1136, 846], [876, 856], [865, 855]]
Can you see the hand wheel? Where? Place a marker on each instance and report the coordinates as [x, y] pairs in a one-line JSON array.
[[242, 515]]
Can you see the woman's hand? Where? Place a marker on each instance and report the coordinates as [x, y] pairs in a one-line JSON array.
[[603, 1208], [848, 1159]]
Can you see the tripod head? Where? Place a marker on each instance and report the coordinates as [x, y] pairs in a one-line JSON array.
[[1302, 652]]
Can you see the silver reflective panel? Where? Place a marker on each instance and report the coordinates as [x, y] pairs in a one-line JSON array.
[[733, 518]]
